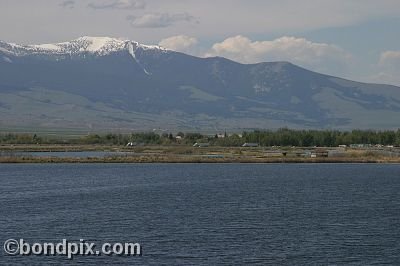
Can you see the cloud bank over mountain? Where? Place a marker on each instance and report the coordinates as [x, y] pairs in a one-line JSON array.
[[318, 56], [180, 43]]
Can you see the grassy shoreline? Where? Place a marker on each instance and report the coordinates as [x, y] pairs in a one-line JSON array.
[[188, 154], [166, 160]]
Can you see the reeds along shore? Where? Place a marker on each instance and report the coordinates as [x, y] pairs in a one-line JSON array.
[[188, 154], [193, 160]]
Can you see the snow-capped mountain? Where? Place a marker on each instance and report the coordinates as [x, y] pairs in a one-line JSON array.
[[81, 47], [103, 83], [86, 44]]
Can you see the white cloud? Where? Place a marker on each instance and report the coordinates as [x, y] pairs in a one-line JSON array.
[[117, 4], [159, 20], [388, 68], [317, 56], [68, 4], [180, 43], [390, 59]]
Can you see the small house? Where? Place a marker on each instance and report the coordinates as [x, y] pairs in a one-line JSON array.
[[250, 144], [200, 145]]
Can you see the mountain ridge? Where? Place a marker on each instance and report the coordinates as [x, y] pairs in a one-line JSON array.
[[84, 44], [137, 87]]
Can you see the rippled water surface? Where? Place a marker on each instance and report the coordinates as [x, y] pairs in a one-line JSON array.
[[207, 214]]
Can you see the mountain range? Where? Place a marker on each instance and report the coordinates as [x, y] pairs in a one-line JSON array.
[[107, 84]]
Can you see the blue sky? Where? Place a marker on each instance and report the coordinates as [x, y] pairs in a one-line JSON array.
[[355, 39]]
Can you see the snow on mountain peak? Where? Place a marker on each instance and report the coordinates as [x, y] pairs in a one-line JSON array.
[[85, 44], [95, 45]]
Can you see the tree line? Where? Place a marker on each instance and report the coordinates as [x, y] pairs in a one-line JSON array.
[[280, 137], [326, 138]]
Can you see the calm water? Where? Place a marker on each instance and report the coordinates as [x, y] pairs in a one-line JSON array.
[[183, 214], [71, 154]]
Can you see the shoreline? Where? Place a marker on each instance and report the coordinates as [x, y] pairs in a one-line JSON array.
[[187, 154], [47, 160]]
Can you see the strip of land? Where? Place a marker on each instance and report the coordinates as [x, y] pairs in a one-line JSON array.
[[58, 153]]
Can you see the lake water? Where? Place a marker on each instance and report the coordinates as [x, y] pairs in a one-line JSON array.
[[207, 214], [71, 154]]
